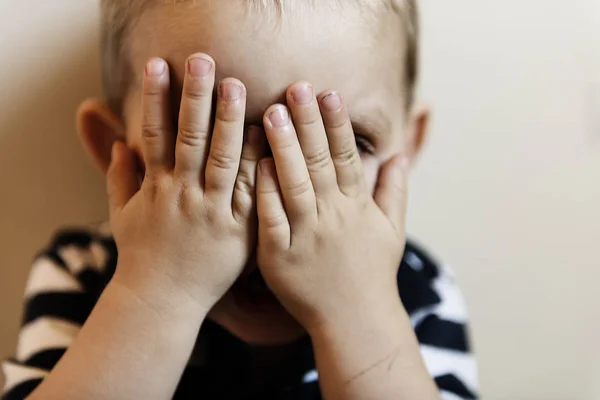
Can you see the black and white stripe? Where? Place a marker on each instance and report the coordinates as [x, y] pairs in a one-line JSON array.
[[68, 277]]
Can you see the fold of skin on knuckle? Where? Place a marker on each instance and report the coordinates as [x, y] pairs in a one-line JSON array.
[[196, 90], [318, 160], [221, 159], [297, 188], [244, 185], [153, 100], [272, 220], [281, 142], [336, 119], [153, 91], [192, 136], [152, 131], [190, 201], [307, 119], [346, 156], [229, 114]]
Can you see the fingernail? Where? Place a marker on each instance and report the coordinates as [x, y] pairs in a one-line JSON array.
[[279, 117], [199, 66], [303, 94], [155, 67], [332, 101], [230, 91]]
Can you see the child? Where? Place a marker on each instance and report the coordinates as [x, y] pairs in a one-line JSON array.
[[260, 230]]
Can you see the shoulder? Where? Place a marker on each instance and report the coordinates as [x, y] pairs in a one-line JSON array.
[[66, 279], [428, 289], [69, 274], [418, 276], [83, 253], [438, 313]]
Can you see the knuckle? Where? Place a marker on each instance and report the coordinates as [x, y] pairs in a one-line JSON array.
[[282, 143], [267, 191], [152, 90], [189, 201], [318, 160], [337, 122], [298, 188], [221, 159], [309, 120], [250, 156], [244, 184], [347, 155], [151, 130], [192, 136], [228, 113], [273, 220], [197, 91]]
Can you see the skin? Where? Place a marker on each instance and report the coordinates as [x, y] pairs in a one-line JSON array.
[[186, 232], [376, 104]]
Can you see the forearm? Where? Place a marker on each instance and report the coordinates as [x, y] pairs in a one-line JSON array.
[[372, 353], [133, 346]]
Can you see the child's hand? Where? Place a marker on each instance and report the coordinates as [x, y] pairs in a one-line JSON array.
[[331, 252], [191, 226], [326, 248]]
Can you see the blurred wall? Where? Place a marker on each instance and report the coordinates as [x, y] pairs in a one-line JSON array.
[[507, 190]]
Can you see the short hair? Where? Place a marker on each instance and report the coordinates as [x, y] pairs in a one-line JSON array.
[[118, 17]]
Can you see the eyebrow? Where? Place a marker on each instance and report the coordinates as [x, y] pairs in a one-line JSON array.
[[376, 124]]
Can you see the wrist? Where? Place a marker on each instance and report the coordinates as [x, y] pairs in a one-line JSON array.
[[374, 310], [354, 350], [158, 291]]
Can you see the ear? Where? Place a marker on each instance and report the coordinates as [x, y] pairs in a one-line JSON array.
[[417, 132], [98, 128]]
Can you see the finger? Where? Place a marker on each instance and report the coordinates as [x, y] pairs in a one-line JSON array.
[[273, 224], [244, 195], [157, 133], [390, 192], [195, 115], [121, 180], [226, 144], [292, 173], [342, 143], [313, 139]]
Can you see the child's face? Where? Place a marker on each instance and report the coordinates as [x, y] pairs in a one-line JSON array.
[[344, 49]]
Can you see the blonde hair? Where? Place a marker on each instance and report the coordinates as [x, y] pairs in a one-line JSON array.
[[119, 16]]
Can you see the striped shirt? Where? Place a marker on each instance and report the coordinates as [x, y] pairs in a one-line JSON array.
[[68, 277]]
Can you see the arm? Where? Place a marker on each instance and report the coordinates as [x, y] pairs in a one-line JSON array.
[[132, 346], [329, 248], [371, 353], [183, 237]]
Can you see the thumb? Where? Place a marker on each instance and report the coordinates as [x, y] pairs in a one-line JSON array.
[[390, 193], [121, 179]]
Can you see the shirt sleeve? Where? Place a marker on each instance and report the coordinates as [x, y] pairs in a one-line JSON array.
[[63, 287], [441, 328]]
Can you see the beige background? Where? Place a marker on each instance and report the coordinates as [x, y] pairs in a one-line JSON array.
[[507, 191]]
